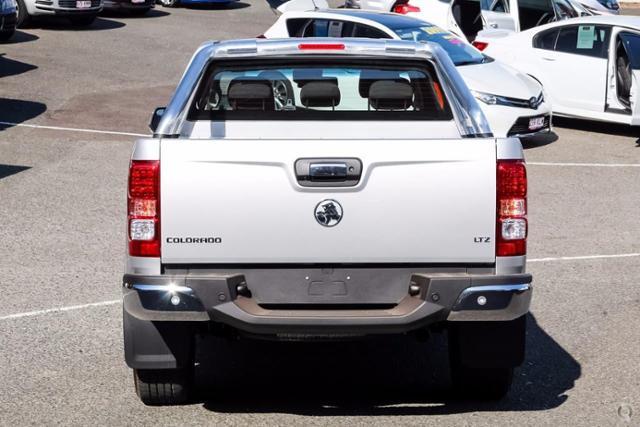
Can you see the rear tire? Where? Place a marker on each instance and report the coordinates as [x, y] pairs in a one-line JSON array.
[[168, 3], [162, 386], [483, 355], [82, 21], [23, 19]]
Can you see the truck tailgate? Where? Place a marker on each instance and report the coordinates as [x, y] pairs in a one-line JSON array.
[[238, 201]]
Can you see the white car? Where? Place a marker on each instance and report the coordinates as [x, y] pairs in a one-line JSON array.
[[513, 102], [589, 67], [468, 17]]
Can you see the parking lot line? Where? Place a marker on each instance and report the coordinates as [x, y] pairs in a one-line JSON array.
[[118, 301], [107, 132], [596, 165], [59, 309], [587, 257]]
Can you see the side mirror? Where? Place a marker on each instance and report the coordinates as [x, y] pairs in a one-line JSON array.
[[155, 119]]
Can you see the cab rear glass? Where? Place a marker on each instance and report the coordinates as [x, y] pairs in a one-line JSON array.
[[328, 89]]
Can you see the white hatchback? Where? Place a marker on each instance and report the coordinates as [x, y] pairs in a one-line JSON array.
[[513, 102]]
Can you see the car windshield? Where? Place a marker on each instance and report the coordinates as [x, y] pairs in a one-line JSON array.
[[460, 52]]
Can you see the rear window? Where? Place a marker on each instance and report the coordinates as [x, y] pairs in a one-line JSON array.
[[324, 90]]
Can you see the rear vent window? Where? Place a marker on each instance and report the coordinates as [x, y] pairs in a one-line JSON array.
[[308, 91]]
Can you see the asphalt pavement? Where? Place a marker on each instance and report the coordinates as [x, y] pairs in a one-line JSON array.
[[62, 226]]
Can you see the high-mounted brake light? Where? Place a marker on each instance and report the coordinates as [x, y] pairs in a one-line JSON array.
[[511, 208], [403, 7], [143, 208], [480, 45], [321, 46]]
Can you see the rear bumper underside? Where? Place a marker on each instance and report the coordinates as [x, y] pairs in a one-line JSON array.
[[231, 300]]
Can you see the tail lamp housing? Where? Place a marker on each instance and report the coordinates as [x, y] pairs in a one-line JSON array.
[[511, 208], [403, 7], [480, 45], [143, 208]]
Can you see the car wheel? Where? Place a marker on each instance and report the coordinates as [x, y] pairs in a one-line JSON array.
[[22, 19], [6, 35], [82, 21], [162, 386], [482, 356], [169, 3]]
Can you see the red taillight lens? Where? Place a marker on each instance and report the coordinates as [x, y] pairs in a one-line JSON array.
[[261, 36], [405, 8], [511, 208], [480, 45], [143, 208], [321, 46]]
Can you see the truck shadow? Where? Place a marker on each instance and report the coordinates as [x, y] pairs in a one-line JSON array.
[[377, 377], [11, 67], [15, 111]]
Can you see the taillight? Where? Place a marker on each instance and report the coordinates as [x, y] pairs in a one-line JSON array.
[[261, 36], [404, 8], [511, 208], [143, 208], [479, 45]]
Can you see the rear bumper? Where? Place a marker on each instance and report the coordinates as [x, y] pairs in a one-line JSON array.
[[127, 5], [428, 299]]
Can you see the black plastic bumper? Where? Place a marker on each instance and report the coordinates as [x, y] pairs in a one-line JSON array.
[[228, 300]]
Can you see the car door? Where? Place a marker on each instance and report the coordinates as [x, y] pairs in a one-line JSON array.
[[623, 87], [497, 14], [573, 62]]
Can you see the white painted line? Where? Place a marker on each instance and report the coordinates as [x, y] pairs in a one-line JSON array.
[[578, 258], [59, 309], [106, 132], [592, 165]]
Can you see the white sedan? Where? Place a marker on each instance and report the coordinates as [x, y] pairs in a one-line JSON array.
[[590, 67], [513, 103]]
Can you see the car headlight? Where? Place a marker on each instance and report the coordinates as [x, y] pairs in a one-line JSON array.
[[487, 98], [491, 99]]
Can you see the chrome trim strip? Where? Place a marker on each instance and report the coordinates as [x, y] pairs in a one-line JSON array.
[[164, 288], [518, 305]]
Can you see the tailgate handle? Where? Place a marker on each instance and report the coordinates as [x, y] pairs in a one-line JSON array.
[[328, 172]]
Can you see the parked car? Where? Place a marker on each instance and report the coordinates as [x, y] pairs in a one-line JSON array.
[[78, 12], [174, 3], [602, 7], [373, 200], [468, 17], [8, 18], [134, 7], [590, 67], [513, 102]]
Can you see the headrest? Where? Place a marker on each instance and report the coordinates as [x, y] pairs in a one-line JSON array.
[[250, 94], [390, 95], [367, 77], [323, 93], [308, 75]]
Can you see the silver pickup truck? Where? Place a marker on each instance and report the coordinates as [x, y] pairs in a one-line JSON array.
[[324, 189]]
